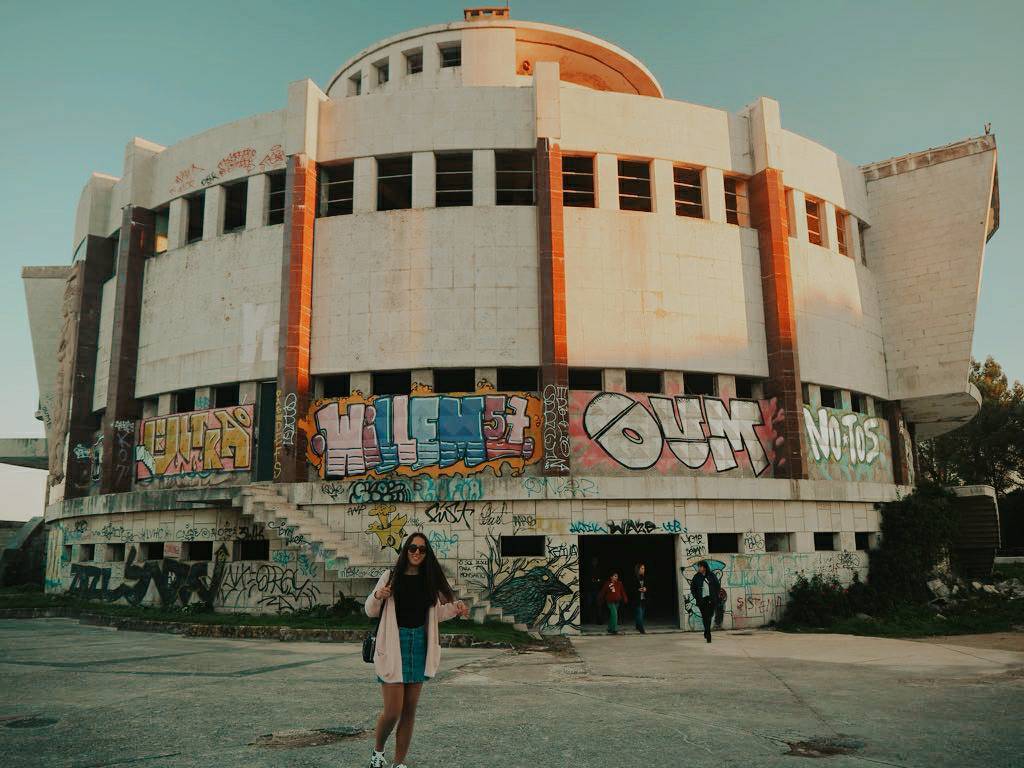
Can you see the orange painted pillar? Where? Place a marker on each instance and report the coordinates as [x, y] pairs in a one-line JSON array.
[[293, 381]]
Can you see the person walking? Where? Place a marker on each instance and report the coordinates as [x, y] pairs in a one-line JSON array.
[[640, 606], [414, 598], [704, 588], [613, 593]]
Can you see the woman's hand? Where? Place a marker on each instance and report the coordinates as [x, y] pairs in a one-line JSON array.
[[463, 610], [383, 593]]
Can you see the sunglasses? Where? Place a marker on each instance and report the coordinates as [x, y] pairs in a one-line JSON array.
[[415, 548]]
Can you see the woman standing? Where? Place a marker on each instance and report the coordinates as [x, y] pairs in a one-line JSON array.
[[704, 589], [640, 607], [414, 598]]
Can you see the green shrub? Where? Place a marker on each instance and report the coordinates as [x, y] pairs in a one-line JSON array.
[[818, 601]]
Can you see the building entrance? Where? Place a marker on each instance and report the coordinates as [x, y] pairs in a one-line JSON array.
[[600, 555]]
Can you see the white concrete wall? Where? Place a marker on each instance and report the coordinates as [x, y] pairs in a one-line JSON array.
[[425, 288], [106, 332], [656, 290], [926, 247], [210, 313], [421, 120], [839, 327], [820, 172], [44, 298], [92, 216]]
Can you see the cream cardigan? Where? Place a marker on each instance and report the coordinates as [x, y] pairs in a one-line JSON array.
[[387, 660]]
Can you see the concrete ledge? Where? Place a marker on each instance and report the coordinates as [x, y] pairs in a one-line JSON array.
[[189, 629]]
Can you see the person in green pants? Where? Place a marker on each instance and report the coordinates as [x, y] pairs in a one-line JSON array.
[[612, 594]]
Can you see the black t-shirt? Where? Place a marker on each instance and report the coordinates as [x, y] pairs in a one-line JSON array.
[[412, 600]]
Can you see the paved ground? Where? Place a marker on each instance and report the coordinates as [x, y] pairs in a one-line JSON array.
[[134, 699]]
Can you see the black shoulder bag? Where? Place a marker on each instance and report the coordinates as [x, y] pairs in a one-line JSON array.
[[370, 642]]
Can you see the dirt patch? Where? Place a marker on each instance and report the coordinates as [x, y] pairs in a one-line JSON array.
[[307, 738], [29, 722], [824, 747], [997, 641]]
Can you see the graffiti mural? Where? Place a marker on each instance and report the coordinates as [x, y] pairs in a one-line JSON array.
[[196, 444], [432, 434], [540, 592], [389, 527], [176, 582], [614, 432], [556, 429], [846, 445], [283, 590]]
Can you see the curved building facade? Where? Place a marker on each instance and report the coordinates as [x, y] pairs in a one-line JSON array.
[[491, 285]]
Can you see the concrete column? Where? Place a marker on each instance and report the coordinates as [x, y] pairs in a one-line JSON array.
[[293, 335], [606, 171], [870, 404], [213, 212], [673, 382], [483, 177], [796, 206], [204, 398], [712, 182], [364, 185], [847, 541], [149, 408], [88, 277], [615, 379], [424, 187], [803, 541], [726, 386], [664, 187], [117, 467], [846, 399], [177, 221], [814, 396], [853, 239], [248, 391], [256, 201], [828, 227], [165, 404], [903, 451], [486, 376], [360, 382], [422, 377]]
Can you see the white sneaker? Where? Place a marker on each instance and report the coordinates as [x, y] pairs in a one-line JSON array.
[[377, 760]]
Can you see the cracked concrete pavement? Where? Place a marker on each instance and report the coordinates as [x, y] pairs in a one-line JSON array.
[[108, 698]]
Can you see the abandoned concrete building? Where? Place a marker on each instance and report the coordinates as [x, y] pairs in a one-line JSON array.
[[491, 285]]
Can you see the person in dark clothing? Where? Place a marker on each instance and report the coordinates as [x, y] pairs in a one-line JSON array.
[[640, 606], [723, 596], [612, 594], [704, 588]]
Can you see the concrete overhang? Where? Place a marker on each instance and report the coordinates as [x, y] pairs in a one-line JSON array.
[[937, 414], [24, 452]]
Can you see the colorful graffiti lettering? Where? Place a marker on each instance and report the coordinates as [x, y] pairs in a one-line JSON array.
[[201, 442], [272, 158], [240, 159], [846, 445], [614, 431], [556, 429], [389, 528], [436, 434]]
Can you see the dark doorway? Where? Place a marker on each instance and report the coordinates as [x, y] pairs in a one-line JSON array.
[[600, 555], [265, 431]]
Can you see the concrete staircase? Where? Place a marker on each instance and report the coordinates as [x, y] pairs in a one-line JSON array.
[[264, 503]]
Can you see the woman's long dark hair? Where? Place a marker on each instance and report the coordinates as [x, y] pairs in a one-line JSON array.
[[437, 582]]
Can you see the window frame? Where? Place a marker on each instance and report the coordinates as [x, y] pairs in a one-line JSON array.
[[691, 209], [689, 377], [272, 194], [577, 373], [514, 195], [410, 57], [453, 386], [635, 384], [453, 198], [813, 208], [383, 70], [326, 185], [572, 196], [504, 374], [391, 182], [739, 213], [625, 180], [842, 235], [195, 203], [445, 62], [236, 203]]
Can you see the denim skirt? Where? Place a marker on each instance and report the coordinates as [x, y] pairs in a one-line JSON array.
[[413, 642]]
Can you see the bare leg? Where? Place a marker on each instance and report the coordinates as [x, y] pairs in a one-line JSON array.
[[405, 725], [394, 694]]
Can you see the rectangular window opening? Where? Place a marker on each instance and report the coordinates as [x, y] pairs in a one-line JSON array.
[[195, 205], [114, 553], [451, 55], [225, 395], [723, 543], [152, 550], [635, 185], [586, 379], [518, 380], [813, 221], [275, 197], [161, 225], [453, 179], [842, 221], [513, 177], [859, 402], [252, 549], [383, 69], [578, 181], [737, 210], [645, 381], [700, 384], [67, 553], [689, 195], [86, 552], [744, 387], [830, 397], [825, 542], [235, 198], [355, 84], [198, 550], [777, 542], [805, 391], [414, 61], [454, 380], [522, 546], [391, 382], [184, 401], [862, 540], [336, 385], [335, 189], [394, 183]]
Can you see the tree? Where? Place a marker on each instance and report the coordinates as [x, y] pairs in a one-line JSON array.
[[989, 449]]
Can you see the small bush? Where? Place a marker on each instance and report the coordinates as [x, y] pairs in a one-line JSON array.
[[818, 601]]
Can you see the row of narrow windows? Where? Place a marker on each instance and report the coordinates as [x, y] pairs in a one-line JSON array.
[[449, 56], [242, 549]]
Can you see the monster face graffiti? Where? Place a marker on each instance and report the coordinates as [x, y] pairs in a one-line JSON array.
[[435, 434]]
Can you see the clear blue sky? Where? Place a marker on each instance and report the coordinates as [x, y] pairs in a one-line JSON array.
[[867, 79]]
